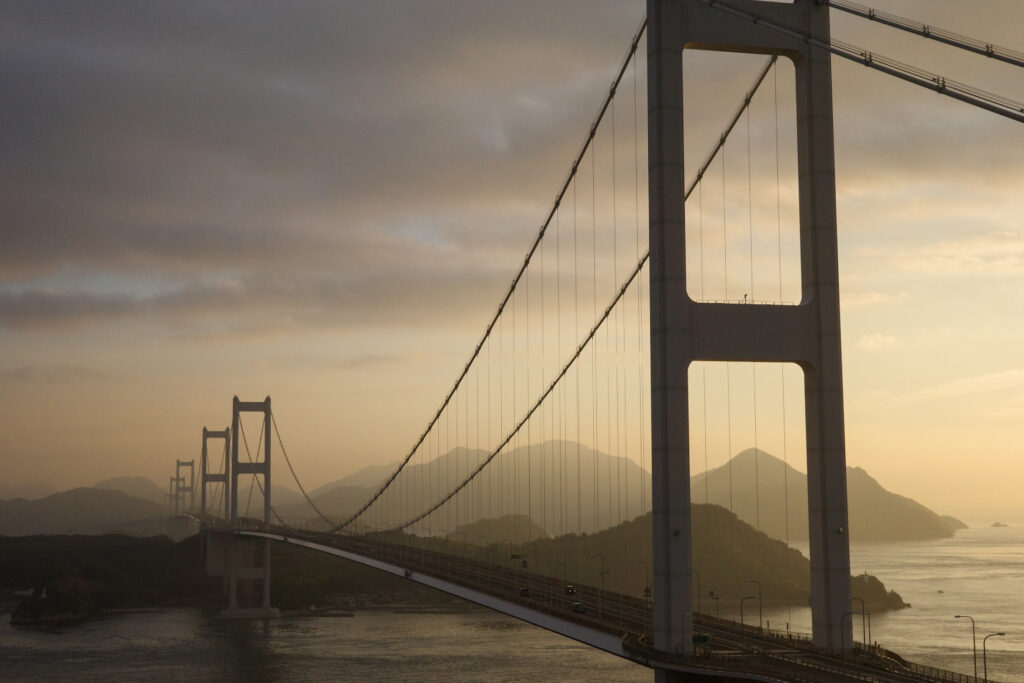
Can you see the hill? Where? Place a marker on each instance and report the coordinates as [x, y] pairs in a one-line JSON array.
[[369, 477], [509, 526], [761, 484], [519, 482], [30, 491], [528, 481], [86, 575], [139, 487], [726, 553], [77, 511]]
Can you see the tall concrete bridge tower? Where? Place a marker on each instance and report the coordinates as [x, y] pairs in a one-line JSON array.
[[684, 331]]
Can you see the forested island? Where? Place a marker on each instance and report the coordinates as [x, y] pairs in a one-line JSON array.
[[73, 578]]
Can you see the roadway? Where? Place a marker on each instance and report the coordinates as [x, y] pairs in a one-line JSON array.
[[730, 648]]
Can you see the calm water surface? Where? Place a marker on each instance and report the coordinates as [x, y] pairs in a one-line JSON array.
[[188, 645], [978, 572]]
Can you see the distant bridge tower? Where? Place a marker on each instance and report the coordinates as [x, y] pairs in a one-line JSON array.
[[206, 477], [242, 552], [180, 489], [684, 331]]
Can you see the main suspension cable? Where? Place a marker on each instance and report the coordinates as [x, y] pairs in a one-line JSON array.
[[958, 40], [515, 280], [600, 321], [977, 97]]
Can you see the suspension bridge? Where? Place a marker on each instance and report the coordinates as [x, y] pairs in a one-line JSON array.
[[647, 301]]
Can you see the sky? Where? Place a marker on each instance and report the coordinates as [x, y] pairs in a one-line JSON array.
[[324, 202]]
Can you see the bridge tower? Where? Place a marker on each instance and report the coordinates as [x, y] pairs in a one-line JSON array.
[[242, 552], [179, 486], [206, 477], [684, 331]]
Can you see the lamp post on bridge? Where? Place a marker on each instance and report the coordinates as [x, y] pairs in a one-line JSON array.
[[760, 604], [600, 590], [974, 639], [647, 579], [536, 557], [462, 550], [697, 575], [646, 591], [509, 541], [743, 626], [984, 654], [863, 632], [463, 534], [852, 643]]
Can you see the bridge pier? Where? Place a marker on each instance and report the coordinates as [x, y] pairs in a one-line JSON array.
[[242, 553], [684, 330]]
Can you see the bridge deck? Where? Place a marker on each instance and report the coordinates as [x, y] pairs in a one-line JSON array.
[[613, 622]]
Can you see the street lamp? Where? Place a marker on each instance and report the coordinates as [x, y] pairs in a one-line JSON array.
[[536, 557], [601, 589], [863, 632], [486, 544], [646, 581], [984, 654], [718, 611], [742, 600], [974, 640], [760, 612], [509, 541], [843, 634], [646, 591], [463, 534]]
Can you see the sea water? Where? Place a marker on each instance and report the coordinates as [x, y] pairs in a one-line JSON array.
[[979, 572]]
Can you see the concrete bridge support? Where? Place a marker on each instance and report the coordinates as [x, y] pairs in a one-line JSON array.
[[242, 553], [683, 330], [206, 477], [181, 489]]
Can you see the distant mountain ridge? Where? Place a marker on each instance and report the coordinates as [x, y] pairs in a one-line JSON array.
[[78, 511], [761, 484], [139, 487], [30, 491], [875, 514], [613, 490]]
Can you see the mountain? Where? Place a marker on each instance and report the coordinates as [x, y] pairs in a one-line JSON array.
[[952, 523], [30, 491], [78, 511], [369, 477], [282, 495], [761, 485], [140, 487], [541, 481], [510, 526], [727, 552], [538, 481]]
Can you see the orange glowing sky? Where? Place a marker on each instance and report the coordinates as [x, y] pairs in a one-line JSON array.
[[323, 202]]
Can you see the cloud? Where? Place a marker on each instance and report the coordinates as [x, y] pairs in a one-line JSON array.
[[876, 340], [50, 374], [975, 384], [864, 299], [997, 253]]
